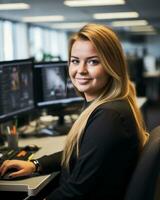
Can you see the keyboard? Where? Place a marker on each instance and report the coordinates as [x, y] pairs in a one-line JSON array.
[[22, 153]]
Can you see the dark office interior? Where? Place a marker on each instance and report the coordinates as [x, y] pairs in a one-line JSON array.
[[37, 97]]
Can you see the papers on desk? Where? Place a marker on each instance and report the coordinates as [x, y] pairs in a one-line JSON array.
[[141, 101]]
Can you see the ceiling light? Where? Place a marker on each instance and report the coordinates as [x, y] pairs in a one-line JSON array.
[[117, 15], [43, 18], [14, 6], [79, 3], [129, 23], [69, 25], [142, 29]]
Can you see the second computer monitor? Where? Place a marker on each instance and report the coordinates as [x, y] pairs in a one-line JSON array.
[[16, 88]]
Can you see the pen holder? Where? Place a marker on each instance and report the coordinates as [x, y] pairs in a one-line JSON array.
[[12, 140]]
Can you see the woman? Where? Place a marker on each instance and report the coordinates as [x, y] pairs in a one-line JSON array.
[[104, 143]]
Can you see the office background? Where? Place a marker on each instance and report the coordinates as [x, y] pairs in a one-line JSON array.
[[41, 29]]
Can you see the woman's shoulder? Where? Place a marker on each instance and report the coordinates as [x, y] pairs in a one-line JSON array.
[[116, 116], [118, 106], [119, 109]]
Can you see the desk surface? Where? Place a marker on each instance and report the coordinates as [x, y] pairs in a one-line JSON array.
[[33, 185]]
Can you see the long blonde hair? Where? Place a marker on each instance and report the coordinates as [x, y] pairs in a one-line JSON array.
[[119, 86]]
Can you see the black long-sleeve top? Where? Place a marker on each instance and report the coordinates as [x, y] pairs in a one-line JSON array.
[[109, 150]]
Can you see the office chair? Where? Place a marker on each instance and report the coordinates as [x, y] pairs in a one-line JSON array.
[[144, 180]]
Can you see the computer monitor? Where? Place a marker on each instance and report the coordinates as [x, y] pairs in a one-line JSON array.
[[16, 88], [53, 85], [53, 89]]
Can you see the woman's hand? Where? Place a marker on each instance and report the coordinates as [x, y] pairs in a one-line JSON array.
[[22, 168]]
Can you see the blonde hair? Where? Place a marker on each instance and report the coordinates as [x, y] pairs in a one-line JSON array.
[[119, 86]]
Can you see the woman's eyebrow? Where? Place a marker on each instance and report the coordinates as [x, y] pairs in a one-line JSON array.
[[92, 57], [74, 57]]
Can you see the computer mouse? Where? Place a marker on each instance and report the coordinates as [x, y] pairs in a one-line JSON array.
[[31, 147], [7, 176]]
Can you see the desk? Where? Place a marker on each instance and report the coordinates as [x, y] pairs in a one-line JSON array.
[[33, 185]]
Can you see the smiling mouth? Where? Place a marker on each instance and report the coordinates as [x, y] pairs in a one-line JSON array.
[[83, 80]]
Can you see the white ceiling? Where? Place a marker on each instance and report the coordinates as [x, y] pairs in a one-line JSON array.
[[147, 9]]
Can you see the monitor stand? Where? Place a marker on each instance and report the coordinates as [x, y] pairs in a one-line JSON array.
[[55, 128], [61, 126]]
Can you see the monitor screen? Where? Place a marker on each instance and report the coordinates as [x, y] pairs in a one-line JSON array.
[[50, 83], [16, 88]]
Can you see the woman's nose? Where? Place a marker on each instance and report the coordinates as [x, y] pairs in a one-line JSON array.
[[82, 68]]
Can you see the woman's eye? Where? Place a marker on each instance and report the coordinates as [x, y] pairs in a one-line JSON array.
[[93, 62], [74, 61]]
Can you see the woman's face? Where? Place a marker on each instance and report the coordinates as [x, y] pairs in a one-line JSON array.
[[86, 71]]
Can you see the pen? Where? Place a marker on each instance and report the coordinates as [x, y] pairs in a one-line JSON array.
[[14, 130], [31, 156]]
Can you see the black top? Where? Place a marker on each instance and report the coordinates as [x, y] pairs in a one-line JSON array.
[[109, 150]]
